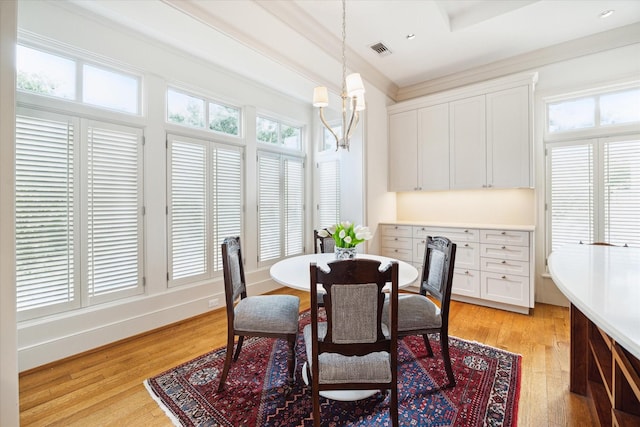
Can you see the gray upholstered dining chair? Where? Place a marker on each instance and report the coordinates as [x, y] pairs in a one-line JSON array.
[[417, 313], [353, 349], [271, 316]]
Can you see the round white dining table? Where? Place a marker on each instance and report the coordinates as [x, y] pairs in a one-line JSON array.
[[294, 272]]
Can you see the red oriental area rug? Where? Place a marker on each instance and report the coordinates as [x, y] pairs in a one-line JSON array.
[[257, 393]]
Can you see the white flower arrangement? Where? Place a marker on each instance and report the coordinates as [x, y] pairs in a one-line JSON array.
[[346, 235]]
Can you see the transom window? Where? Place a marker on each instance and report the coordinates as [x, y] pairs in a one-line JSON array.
[[594, 111], [274, 132], [198, 112], [46, 73]]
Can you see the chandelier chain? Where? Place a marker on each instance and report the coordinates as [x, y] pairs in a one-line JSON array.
[[344, 46]]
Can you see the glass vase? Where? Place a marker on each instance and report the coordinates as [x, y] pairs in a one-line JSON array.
[[345, 253]]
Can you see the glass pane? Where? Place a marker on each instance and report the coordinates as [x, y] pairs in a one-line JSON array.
[[266, 130], [620, 107], [572, 115], [110, 89], [113, 210], [572, 208], [622, 192], [184, 109], [45, 74], [188, 205], [224, 119], [291, 137], [45, 251]]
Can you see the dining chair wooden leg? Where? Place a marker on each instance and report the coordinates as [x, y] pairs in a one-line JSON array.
[[393, 407], [227, 362], [238, 347], [444, 344], [291, 359], [427, 345]]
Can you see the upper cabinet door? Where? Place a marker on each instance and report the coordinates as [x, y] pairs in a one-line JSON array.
[[403, 148], [509, 138], [468, 143], [433, 147]]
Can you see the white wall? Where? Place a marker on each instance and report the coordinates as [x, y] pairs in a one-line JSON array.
[[9, 410], [47, 339]]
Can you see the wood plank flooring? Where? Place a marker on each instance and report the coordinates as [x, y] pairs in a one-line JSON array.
[[104, 387]]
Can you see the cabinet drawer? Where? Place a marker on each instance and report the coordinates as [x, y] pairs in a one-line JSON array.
[[397, 242], [454, 234], [505, 237], [466, 282], [396, 230], [497, 265], [468, 255], [507, 252], [419, 245], [398, 253], [506, 288]]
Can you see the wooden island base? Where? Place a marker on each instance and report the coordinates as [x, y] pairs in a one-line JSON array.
[[604, 371]]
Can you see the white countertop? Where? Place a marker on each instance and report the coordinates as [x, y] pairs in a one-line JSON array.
[[518, 227], [603, 282]]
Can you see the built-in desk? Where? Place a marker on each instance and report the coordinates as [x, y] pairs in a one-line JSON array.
[[603, 285]]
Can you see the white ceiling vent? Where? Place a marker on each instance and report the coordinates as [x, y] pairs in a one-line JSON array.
[[380, 49]]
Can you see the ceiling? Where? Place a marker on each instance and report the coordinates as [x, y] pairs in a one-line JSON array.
[[456, 41]]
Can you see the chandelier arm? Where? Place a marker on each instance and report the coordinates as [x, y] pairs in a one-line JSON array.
[[324, 122], [355, 118]]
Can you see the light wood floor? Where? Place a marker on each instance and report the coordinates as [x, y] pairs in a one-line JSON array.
[[104, 388]]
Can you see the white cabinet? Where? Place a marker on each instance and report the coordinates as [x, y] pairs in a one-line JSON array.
[[433, 148], [419, 157], [403, 161], [509, 138], [474, 137], [493, 267], [467, 143]]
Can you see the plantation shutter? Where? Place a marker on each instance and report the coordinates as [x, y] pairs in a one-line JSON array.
[[46, 227], [227, 202], [114, 210], [572, 193], [187, 208], [270, 202], [621, 158], [294, 206], [328, 193]]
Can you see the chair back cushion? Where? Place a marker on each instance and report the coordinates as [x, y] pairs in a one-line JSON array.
[[354, 312]]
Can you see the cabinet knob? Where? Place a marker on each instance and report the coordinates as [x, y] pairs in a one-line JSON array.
[[466, 231], [466, 272], [395, 238], [466, 245], [504, 247], [504, 277], [503, 233], [504, 262]]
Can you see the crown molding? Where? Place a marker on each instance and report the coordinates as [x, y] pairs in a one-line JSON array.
[[589, 45]]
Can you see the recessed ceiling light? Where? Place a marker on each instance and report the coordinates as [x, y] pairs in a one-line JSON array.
[[411, 36], [606, 13]]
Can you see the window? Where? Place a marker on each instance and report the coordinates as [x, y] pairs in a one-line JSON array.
[[599, 110], [45, 73], [593, 183], [280, 206], [205, 199], [276, 133], [595, 191], [191, 110], [328, 193], [78, 212]]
